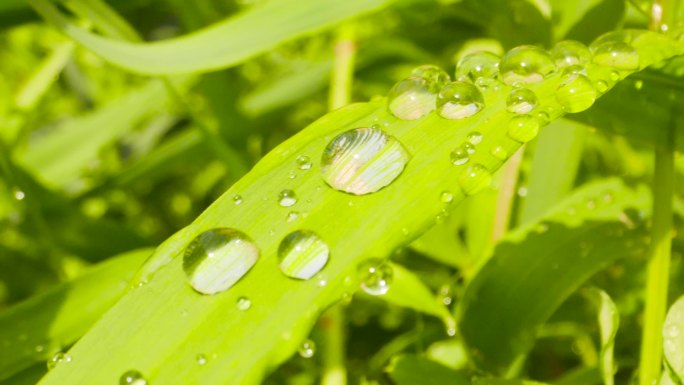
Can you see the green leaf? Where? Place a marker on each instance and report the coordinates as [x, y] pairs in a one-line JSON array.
[[501, 381], [537, 267], [417, 370], [609, 321], [673, 344], [222, 45], [33, 330], [586, 19]]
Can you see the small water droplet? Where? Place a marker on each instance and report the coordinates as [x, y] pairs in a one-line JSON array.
[[40, 348], [446, 197], [521, 101], [459, 156], [362, 161], [303, 162], [375, 276], [201, 359], [570, 53], [601, 86], [132, 377], [614, 50], [526, 64], [411, 98], [523, 128], [478, 65], [474, 138], [292, 216], [576, 93], [474, 179], [237, 199], [287, 198], [243, 303], [307, 349], [302, 254], [19, 195], [57, 359], [216, 259], [499, 152], [459, 100], [470, 149]]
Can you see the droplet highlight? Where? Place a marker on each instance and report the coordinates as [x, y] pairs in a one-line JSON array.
[[243, 303], [302, 254], [307, 349], [287, 198], [570, 53], [362, 161], [459, 156], [303, 162], [216, 259], [478, 65], [58, 359], [375, 276]]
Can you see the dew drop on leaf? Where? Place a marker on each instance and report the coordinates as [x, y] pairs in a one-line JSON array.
[[292, 216], [446, 197], [614, 50], [526, 64], [435, 76], [499, 152], [459, 100], [411, 98], [132, 377], [303, 162], [307, 349], [237, 199], [576, 93], [459, 156], [523, 128], [474, 138], [521, 101], [601, 86], [302, 254], [287, 198], [474, 179], [469, 147], [570, 53], [362, 161], [478, 65], [375, 276], [243, 303], [201, 359], [216, 259], [57, 359]]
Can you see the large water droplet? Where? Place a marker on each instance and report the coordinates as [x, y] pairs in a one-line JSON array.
[[526, 64], [576, 93], [216, 259], [303, 162], [521, 101], [523, 128], [474, 179], [570, 53], [287, 198], [375, 276], [302, 254], [58, 358], [307, 349], [412, 98], [459, 156], [435, 76], [132, 377], [614, 50], [458, 100], [362, 161], [478, 65]]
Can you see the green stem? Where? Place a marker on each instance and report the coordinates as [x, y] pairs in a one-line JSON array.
[[333, 322], [504, 201], [658, 272]]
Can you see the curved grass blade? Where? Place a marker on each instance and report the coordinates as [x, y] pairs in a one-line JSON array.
[[673, 345], [241, 345], [222, 45], [609, 321], [33, 330], [537, 267]]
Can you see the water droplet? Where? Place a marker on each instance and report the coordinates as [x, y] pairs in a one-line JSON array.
[[287, 198], [499, 152], [132, 377], [237, 199], [474, 138], [601, 86], [521, 101], [526, 64], [201, 359], [475, 179], [459, 100], [459, 156], [58, 358], [244, 303], [375, 276], [362, 161], [411, 98], [576, 93], [303, 162], [307, 349], [216, 259], [19, 195], [40, 348], [292, 216], [435, 76], [671, 331], [477, 66], [470, 149], [570, 53], [613, 50], [302, 254], [523, 128], [446, 197]]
